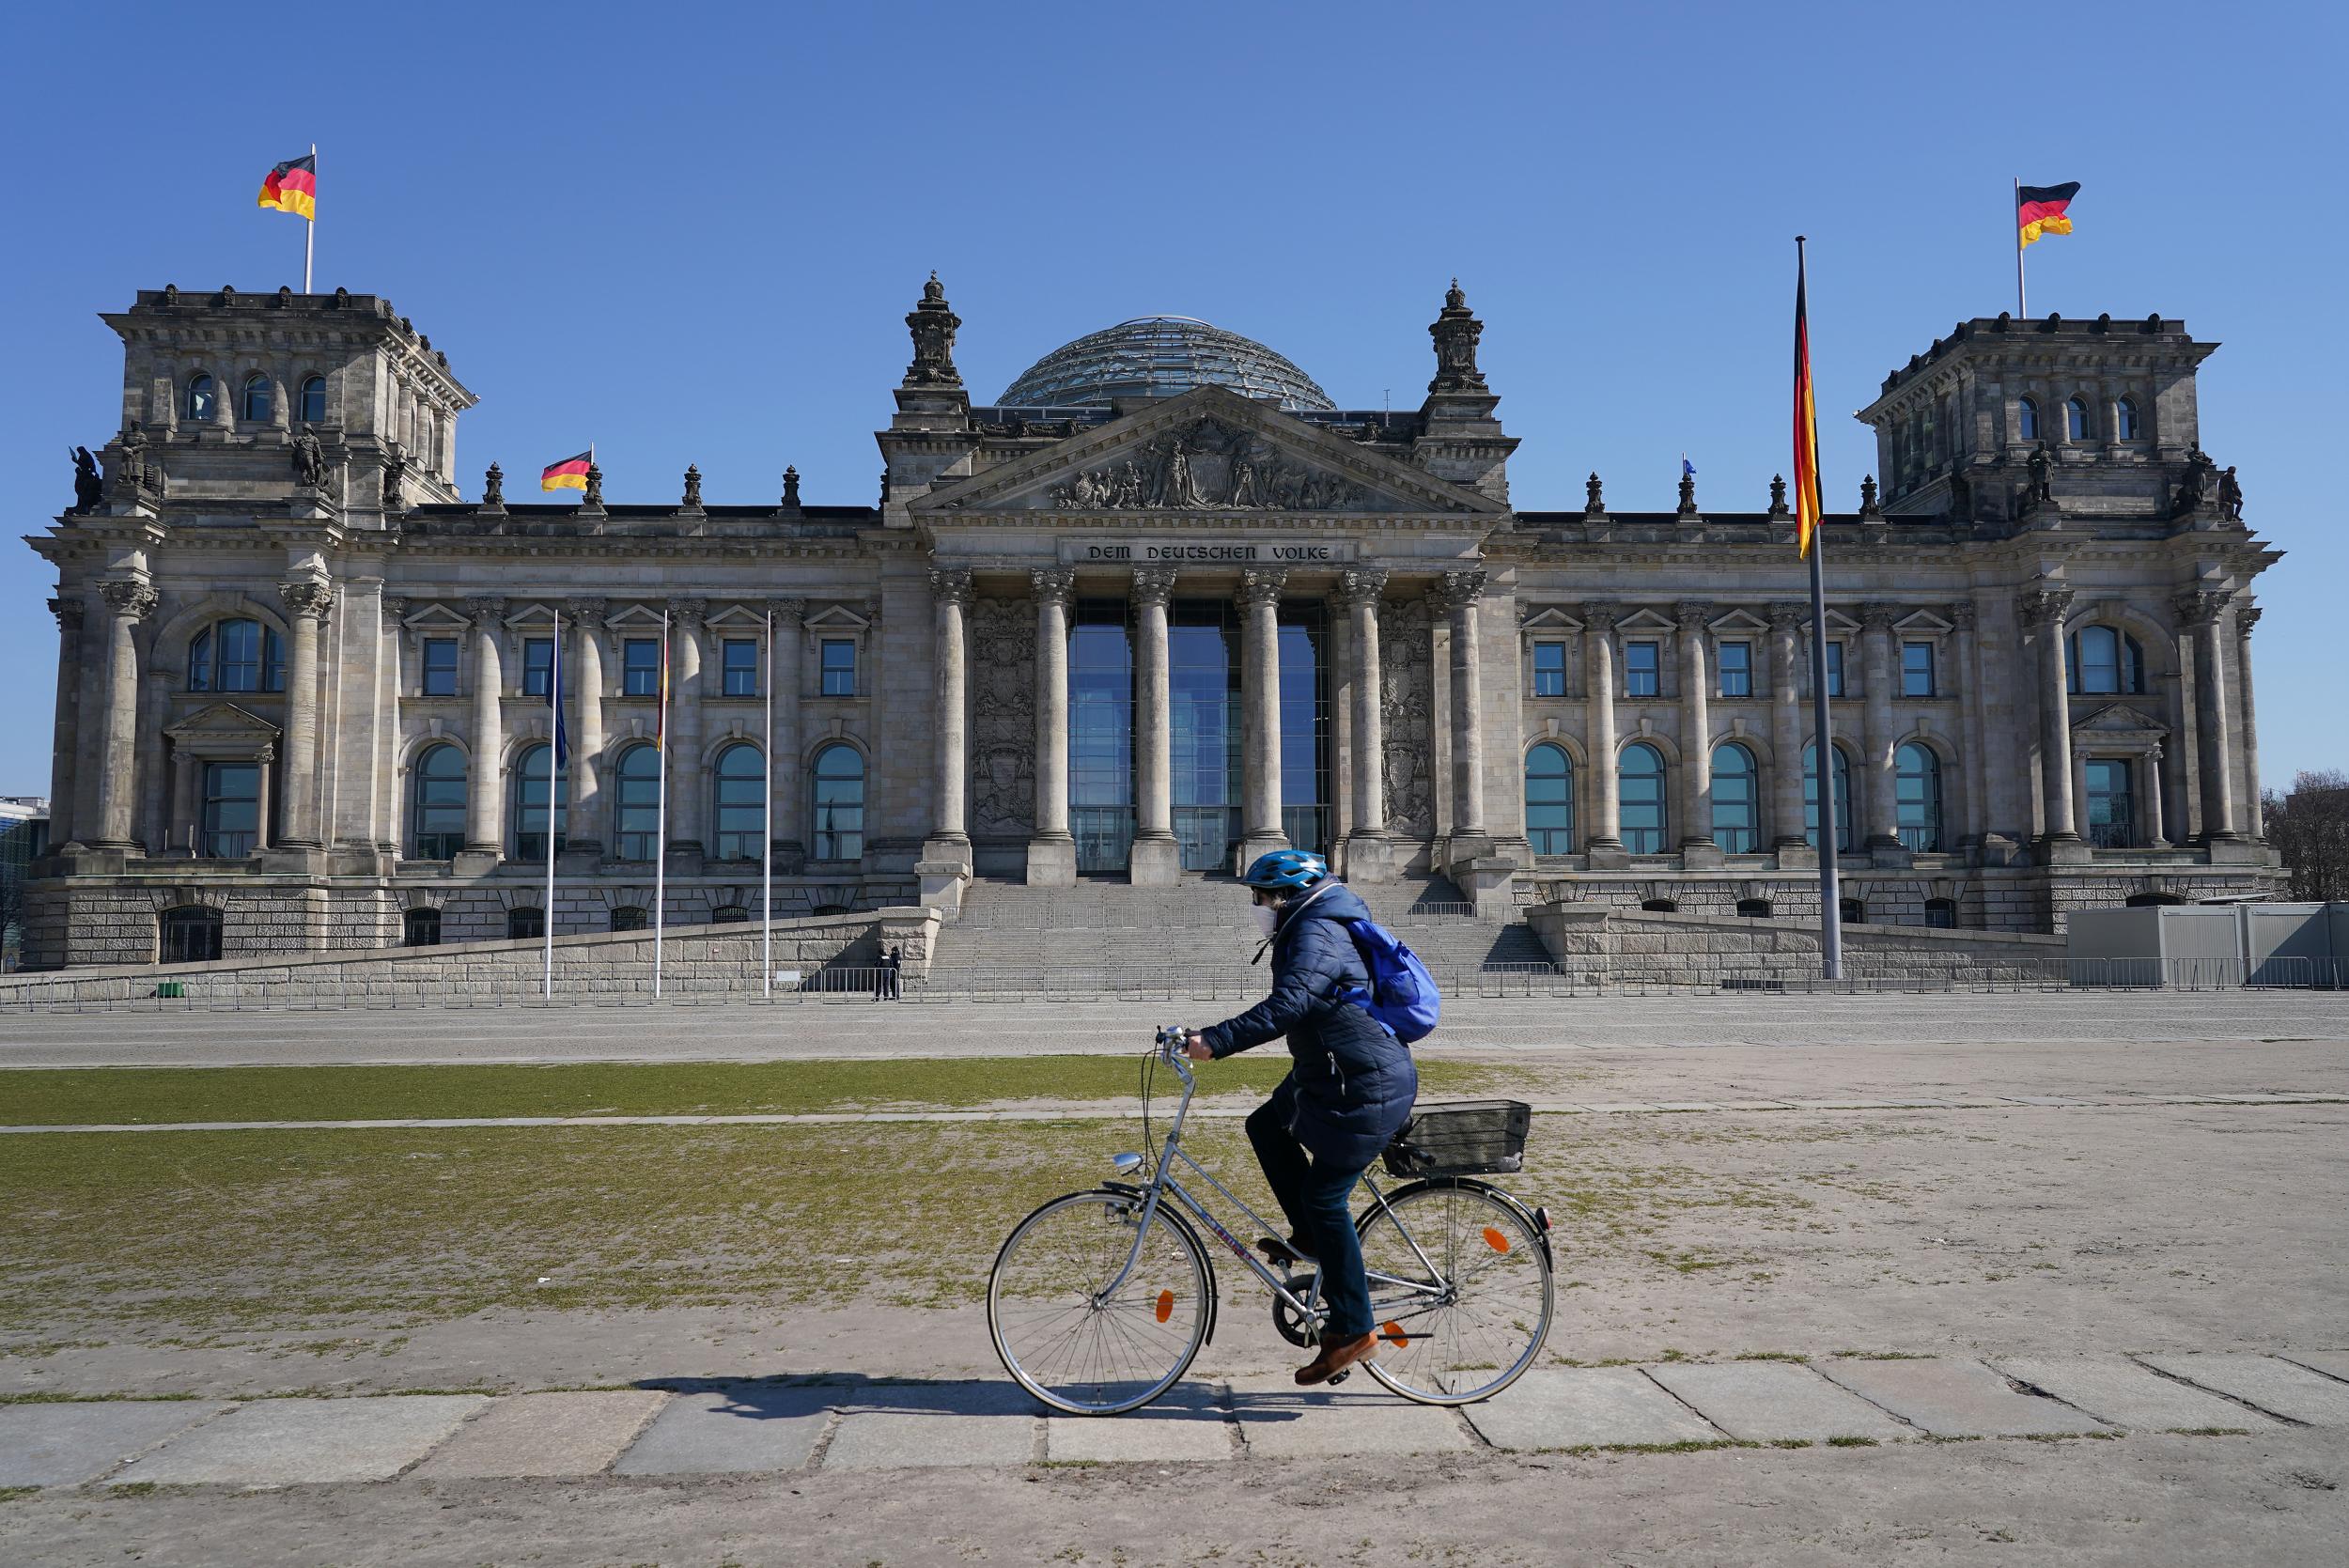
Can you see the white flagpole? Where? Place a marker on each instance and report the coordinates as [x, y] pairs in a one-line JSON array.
[[555, 762], [660, 816], [766, 835], [310, 230], [2022, 311]]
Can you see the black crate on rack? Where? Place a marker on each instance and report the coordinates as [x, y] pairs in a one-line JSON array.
[[1462, 1137]]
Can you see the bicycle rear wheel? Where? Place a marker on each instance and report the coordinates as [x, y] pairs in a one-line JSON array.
[[1069, 1340], [1477, 1294]]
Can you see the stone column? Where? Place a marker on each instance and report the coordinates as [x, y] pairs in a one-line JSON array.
[[583, 677], [264, 768], [1369, 852], [687, 787], [390, 634], [1786, 830], [1605, 836], [62, 732], [1970, 732], [1156, 859], [1260, 707], [128, 601], [2245, 619], [1696, 741], [2204, 610], [790, 643], [1051, 851], [1457, 592], [2154, 837], [1880, 818], [2042, 610], [184, 806], [307, 600], [485, 798], [949, 841]]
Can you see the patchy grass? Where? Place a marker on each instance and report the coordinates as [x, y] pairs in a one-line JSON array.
[[10, 1494], [1771, 1356], [2209, 1431], [1853, 1443]]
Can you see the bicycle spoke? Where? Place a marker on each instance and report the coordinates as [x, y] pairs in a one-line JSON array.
[[1065, 1341]]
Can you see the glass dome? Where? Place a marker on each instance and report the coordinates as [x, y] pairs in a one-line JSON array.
[[1158, 356]]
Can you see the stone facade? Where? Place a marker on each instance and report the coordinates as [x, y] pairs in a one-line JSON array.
[[301, 682]]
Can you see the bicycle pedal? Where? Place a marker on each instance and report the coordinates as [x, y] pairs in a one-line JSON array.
[[1337, 1377]]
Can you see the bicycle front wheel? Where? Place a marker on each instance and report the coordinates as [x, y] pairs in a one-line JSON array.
[[1467, 1296], [1070, 1339]]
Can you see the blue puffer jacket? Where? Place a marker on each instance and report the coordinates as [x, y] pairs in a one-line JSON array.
[[1355, 1080]]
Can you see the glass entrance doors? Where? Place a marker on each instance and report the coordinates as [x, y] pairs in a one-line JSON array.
[[1100, 737], [2112, 804], [1203, 671]]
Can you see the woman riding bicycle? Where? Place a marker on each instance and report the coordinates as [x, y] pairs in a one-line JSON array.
[[1349, 1091]]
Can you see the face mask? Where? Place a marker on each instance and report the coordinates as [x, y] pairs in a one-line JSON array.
[[1266, 917]]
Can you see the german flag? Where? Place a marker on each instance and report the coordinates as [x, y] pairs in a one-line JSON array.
[[1806, 504], [292, 186], [2039, 209], [568, 474]]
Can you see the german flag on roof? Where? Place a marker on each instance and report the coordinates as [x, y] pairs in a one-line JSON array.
[[2039, 209], [568, 474], [292, 186]]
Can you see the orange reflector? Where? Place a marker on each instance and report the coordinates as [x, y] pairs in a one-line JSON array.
[[1393, 1334], [1166, 1305], [1495, 1240]]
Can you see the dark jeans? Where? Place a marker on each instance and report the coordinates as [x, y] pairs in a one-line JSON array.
[[1315, 1201]]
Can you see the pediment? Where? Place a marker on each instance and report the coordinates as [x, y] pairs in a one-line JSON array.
[[220, 725], [1738, 622], [1549, 617], [1645, 622], [1209, 451], [2120, 718]]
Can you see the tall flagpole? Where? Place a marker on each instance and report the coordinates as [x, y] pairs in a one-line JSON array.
[[660, 830], [310, 230], [554, 761], [767, 834], [1830, 885], [2022, 311]]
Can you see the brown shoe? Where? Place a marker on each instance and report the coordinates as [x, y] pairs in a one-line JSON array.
[[1335, 1357]]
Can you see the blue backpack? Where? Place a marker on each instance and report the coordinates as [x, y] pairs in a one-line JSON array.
[[1402, 993]]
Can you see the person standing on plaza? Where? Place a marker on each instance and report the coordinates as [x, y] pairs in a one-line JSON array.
[[1349, 1091]]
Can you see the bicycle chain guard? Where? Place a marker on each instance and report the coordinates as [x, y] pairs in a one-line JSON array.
[[1290, 1324]]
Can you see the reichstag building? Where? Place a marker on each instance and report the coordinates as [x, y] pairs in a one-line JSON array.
[[1158, 606]]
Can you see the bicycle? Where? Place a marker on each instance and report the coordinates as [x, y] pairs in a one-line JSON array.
[[1100, 1299]]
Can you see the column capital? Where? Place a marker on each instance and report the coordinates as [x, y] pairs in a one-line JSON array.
[[1600, 616], [2197, 606], [689, 612], [308, 598], [951, 584], [1786, 615], [1360, 585], [1692, 613], [1154, 585], [2044, 606], [1260, 587], [1962, 614], [1876, 615], [1053, 585], [67, 610], [585, 612], [788, 612], [2246, 618], [487, 611], [128, 598], [396, 609], [1455, 591]]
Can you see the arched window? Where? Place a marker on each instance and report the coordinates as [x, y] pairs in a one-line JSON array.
[[257, 398], [630, 917], [1737, 800], [1854, 912], [1643, 799], [525, 922], [314, 400], [2026, 420], [839, 804], [1917, 793], [2132, 666], [2152, 900], [2104, 662], [203, 397], [1550, 799], [530, 804], [741, 812], [637, 804], [420, 929], [1661, 906], [1941, 913], [2125, 420], [2075, 420], [439, 803], [729, 914], [236, 656], [1753, 909], [1811, 798], [190, 935]]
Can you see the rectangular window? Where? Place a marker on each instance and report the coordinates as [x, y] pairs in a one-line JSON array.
[[1916, 669], [1835, 669], [740, 656], [538, 665], [232, 809], [839, 668], [1736, 665], [640, 667], [1549, 669], [1641, 664], [440, 667]]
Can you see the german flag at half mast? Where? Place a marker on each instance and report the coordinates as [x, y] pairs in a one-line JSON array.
[[2039, 209], [292, 186], [568, 474]]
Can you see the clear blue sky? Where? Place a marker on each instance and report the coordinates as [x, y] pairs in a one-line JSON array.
[[691, 234]]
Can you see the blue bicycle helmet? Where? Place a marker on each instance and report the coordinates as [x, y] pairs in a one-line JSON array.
[[1286, 870]]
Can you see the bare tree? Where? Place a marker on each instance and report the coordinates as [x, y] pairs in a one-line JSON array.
[[2310, 828]]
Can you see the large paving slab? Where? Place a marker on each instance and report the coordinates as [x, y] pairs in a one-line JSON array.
[[2117, 1389], [1280, 1420], [2291, 1391], [282, 1442], [64, 1445], [1587, 1406], [2333, 1363], [1190, 1421], [1762, 1400], [736, 1427], [1956, 1399], [546, 1434], [898, 1425]]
